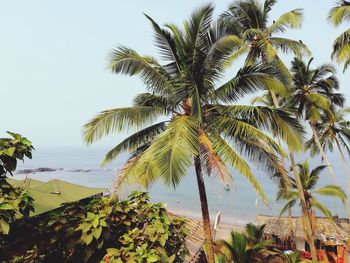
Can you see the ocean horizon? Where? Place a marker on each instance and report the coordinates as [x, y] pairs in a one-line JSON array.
[[238, 205]]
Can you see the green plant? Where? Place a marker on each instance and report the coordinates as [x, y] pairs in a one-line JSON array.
[[100, 229], [341, 45], [13, 200], [243, 247]]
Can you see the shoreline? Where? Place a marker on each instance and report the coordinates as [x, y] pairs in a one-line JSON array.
[[224, 228]]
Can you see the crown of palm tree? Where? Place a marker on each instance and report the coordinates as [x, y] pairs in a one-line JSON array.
[[243, 248], [331, 129], [186, 95], [309, 180], [249, 20], [314, 90], [341, 45]]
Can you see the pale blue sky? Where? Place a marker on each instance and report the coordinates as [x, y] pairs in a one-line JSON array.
[[53, 58]]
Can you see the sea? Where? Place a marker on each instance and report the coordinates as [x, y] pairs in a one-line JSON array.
[[238, 205]]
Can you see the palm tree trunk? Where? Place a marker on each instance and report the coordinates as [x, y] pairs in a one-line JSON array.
[[347, 172], [324, 156], [205, 211], [276, 105], [307, 219], [305, 214]]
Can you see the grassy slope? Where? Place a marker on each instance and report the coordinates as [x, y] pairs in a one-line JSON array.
[[46, 200]]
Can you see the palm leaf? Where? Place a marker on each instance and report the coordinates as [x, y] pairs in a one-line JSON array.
[[288, 45], [127, 61], [212, 162], [320, 207], [167, 45], [332, 190], [279, 121], [229, 156], [135, 141], [116, 120], [340, 13], [291, 19], [248, 80], [290, 203], [171, 153]]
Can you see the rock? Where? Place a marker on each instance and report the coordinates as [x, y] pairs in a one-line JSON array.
[[38, 170]]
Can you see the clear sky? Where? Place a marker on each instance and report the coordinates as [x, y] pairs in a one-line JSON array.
[[53, 57]]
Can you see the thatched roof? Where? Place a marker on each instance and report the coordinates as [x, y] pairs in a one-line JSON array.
[[326, 229]]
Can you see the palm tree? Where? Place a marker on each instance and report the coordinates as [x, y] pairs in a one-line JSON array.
[[188, 118], [341, 45], [249, 20], [334, 129], [244, 248], [309, 180], [313, 94]]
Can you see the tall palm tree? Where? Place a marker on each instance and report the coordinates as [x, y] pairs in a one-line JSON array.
[[334, 129], [250, 21], [312, 94], [188, 117], [309, 180], [341, 45]]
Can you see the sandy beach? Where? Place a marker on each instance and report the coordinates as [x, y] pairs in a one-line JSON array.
[[224, 228]]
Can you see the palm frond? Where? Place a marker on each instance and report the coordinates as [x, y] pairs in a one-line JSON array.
[[122, 177], [268, 4], [171, 153], [339, 13], [135, 141], [116, 120], [289, 45], [197, 27], [229, 156], [212, 162], [166, 45], [127, 61], [280, 122], [235, 55], [290, 203], [332, 190], [291, 19], [320, 207], [248, 80]]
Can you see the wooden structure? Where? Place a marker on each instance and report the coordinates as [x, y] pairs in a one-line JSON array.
[[332, 237]]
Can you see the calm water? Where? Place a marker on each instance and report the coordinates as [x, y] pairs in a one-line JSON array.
[[239, 205]]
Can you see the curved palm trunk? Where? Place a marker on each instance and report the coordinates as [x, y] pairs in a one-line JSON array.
[[276, 105], [205, 211], [346, 170], [324, 156], [305, 214]]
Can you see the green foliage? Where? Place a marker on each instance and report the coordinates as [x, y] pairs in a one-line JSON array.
[[309, 179], [243, 247], [250, 22], [13, 200], [99, 230], [314, 90], [185, 91], [341, 46]]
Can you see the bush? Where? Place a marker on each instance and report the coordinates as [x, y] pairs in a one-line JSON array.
[[99, 230]]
